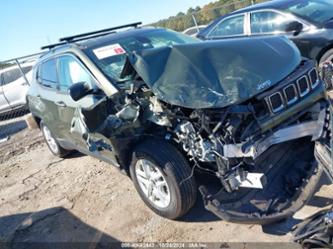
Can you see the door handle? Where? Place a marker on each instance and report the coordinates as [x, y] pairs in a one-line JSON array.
[[60, 103]]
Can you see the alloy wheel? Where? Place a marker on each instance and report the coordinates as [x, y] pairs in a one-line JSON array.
[[152, 183]]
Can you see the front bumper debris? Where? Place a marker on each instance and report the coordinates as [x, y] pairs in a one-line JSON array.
[[324, 157], [314, 129], [276, 200]]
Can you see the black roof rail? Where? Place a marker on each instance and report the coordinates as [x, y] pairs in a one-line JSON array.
[[89, 34], [53, 45]]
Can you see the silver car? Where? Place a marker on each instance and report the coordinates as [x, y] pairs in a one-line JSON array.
[[14, 87]]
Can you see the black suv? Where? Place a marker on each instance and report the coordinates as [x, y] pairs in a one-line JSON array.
[[162, 106]]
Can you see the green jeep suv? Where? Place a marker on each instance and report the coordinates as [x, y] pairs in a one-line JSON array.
[[164, 107]]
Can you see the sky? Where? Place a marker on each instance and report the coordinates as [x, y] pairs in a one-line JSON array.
[[26, 25]]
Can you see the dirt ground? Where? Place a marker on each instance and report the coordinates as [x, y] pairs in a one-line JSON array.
[[81, 199]]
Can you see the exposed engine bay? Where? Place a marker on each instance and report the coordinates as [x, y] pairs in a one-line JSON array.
[[253, 129]]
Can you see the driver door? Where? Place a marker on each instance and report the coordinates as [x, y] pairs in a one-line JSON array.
[[268, 22], [73, 124]]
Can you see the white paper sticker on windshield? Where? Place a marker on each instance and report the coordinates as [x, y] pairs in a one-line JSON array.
[[108, 51]]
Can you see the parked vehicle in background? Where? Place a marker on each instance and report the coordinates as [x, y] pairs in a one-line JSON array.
[[14, 87], [147, 101], [193, 31], [308, 23]]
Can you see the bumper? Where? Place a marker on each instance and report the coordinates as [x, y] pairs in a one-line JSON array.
[[275, 201], [324, 157], [225, 212]]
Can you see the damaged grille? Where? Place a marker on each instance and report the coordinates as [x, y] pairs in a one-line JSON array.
[[313, 76], [291, 93]]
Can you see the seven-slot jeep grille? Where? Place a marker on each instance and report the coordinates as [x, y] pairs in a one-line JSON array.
[[292, 92]]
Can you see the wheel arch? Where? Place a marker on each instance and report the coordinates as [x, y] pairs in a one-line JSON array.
[[37, 119], [124, 148], [323, 51]]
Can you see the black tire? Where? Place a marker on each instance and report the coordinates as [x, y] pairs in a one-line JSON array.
[[176, 172], [57, 150], [327, 56]]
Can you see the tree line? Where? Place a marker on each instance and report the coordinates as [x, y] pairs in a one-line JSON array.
[[203, 15]]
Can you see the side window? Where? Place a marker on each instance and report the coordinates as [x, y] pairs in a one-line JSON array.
[[231, 26], [71, 72], [48, 74], [268, 22], [10, 76]]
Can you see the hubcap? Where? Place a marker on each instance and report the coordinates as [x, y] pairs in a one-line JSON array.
[[152, 183], [329, 59], [50, 140]]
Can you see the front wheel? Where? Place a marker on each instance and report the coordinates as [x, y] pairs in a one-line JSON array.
[[52, 143], [163, 179]]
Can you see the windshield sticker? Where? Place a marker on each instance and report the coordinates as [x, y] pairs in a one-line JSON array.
[[108, 51]]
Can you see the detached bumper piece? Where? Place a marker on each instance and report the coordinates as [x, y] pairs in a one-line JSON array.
[[315, 231], [292, 176], [324, 157]]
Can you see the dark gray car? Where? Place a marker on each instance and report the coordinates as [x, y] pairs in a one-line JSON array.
[[160, 106], [308, 23]]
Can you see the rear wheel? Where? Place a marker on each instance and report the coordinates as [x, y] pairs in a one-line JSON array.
[[163, 179], [52, 143]]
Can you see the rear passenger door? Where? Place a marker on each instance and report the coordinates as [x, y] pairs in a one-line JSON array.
[[229, 27], [47, 96]]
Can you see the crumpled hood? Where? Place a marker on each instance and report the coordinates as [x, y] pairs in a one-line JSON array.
[[215, 74]]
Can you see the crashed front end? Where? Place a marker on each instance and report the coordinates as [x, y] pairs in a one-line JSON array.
[[270, 172], [263, 159], [246, 110]]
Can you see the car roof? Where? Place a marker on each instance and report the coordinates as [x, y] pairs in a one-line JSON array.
[[116, 36], [273, 4], [100, 40]]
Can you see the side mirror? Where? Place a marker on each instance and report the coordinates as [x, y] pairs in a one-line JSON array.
[[79, 90], [295, 27]]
